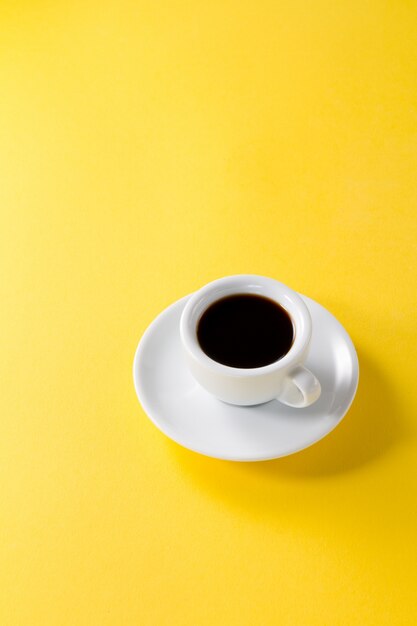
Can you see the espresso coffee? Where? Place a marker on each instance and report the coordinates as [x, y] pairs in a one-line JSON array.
[[245, 331]]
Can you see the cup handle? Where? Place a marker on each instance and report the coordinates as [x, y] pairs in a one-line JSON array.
[[301, 388]]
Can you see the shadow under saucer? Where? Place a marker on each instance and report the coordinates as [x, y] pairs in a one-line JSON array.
[[371, 426]]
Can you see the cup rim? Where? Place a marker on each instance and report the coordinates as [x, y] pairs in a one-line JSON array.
[[289, 299]]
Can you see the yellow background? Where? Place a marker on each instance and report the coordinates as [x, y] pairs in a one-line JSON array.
[[147, 148]]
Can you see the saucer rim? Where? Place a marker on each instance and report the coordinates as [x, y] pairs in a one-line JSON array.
[[172, 435]]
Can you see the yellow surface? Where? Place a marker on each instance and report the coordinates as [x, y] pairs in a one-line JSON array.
[[147, 148]]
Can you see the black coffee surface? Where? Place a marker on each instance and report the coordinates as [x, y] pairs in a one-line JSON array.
[[245, 331]]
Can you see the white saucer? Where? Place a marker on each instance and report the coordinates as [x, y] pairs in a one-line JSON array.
[[189, 415]]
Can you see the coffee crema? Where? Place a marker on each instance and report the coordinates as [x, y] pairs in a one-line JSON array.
[[245, 331]]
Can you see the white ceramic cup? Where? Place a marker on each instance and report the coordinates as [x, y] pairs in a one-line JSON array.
[[287, 379]]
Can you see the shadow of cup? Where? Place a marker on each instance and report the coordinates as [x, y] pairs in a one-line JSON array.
[[371, 427]]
